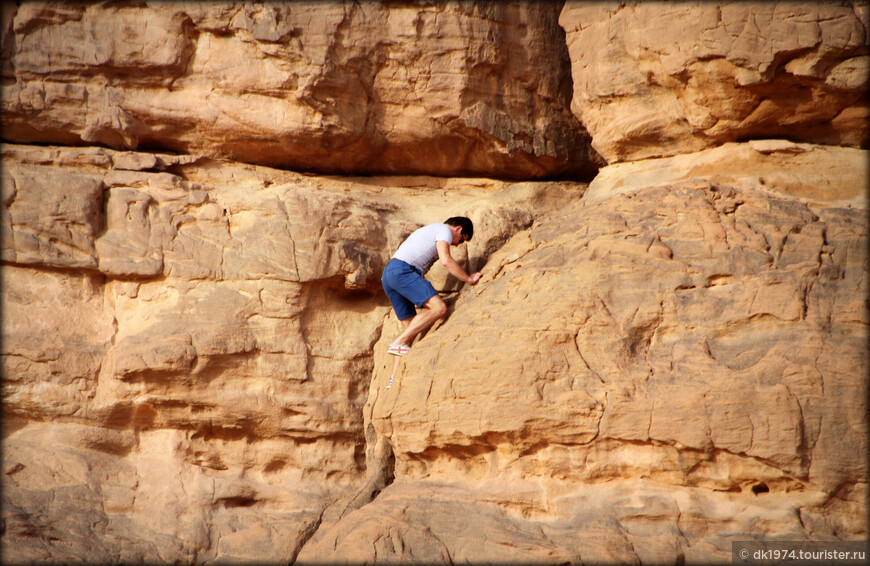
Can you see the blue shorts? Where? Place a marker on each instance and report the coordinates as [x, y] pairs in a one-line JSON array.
[[406, 287]]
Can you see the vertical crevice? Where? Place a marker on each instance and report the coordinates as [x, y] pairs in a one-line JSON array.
[[380, 473]]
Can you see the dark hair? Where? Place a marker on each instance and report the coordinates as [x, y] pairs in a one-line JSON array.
[[464, 223]]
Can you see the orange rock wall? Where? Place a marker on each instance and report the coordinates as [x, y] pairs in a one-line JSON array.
[[665, 354], [334, 87], [653, 80]]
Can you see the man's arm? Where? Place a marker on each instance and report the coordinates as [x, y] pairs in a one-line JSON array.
[[452, 266]]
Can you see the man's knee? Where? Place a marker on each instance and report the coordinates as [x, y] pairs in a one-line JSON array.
[[441, 309], [437, 306]]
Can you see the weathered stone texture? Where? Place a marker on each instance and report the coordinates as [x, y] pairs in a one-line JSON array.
[[573, 380], [656, 363], [186, 354], [341, 87], [653, 79], [633, 367]]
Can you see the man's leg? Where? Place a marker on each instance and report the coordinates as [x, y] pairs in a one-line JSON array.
[[405, 323], [433, 309]]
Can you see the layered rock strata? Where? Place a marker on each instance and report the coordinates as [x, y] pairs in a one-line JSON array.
[[724, 395], [653, 80], [599, 414], [339, 87], [187, 345], [654, 365]]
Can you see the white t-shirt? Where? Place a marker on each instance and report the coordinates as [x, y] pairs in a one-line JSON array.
[[420, 249]]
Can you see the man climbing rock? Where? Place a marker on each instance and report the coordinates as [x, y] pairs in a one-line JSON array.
[[405, 285]]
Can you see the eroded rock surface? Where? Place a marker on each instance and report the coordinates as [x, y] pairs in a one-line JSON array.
[[187, 353], [194, 343], [194, 362], [338, 87], [724, 395], [653, 80]]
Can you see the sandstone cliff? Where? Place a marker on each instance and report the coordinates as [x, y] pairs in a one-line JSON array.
[[337, 87], [653, 80], [657, 362]]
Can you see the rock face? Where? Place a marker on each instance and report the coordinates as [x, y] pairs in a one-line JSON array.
[[653, 80], [187, 353], [338, 87], [731, 372], [656, 363]]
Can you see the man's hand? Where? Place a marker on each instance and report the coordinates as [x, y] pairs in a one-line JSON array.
[[452, 267]]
